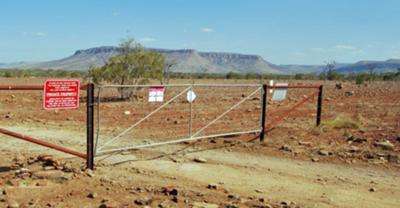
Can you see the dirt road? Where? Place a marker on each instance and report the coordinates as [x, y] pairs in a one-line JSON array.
[[306, 183]]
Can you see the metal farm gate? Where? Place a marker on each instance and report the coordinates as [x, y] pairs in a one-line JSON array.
[[183, 113]]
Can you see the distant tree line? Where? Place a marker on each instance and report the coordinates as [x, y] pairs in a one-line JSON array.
[[41, 73], [359, 78]]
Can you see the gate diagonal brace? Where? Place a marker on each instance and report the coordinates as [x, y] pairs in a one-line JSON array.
[[227, 111], [141, 120], [286, 113]]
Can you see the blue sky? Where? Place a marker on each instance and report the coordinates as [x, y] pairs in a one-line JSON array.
[[281, 31]]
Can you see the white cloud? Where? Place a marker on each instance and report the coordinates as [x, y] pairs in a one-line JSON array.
[[207, 30], [147, 40], [351, 49], [395, 55], [345, 47], [40, 34]]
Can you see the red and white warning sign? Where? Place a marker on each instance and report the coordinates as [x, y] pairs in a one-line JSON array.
[[61, 94], [156, 94]]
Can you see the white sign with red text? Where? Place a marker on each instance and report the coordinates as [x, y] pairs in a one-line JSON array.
[[156, 94]]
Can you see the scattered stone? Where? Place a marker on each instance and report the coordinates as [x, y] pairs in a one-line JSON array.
[[109, 204], [212, 186], [233, 196], [12, 204], [92, 195], [41, 183], [369, 155], [177, 159], [372, 189], [3, 198], [349, 93], [50, 174], [259, 191], [90, 173], [170, 191], [204, 205], [339, 86], [31, 160], [324, 152], [143, 201], [49, 168], [386, 145], [44, 157], [266, 206], [314, 159], [286, 203], [231, 206], [68, 167], [175, 199], [354, 149], [165, 204], [286, 147], [19, 160], [200, 160], [351, 138], [359, 140], [127, 113], [303, 143]]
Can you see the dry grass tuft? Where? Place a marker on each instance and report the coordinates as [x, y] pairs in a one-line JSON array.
[[342, 122]]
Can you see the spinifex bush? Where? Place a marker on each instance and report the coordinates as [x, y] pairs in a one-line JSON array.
[[342, 122]]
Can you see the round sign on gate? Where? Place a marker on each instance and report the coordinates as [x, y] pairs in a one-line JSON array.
[[190, 96]]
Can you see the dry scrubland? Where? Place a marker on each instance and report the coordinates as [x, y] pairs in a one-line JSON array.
[[352, 160]]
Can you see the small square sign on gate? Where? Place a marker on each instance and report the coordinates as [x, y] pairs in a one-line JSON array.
[[156, 94], [61, 94]]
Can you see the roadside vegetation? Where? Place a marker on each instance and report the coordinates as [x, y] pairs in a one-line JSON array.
[[342, 122], [359, 78]]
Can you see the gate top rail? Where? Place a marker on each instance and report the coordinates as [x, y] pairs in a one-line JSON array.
[[29, 87], [212, 85], [183, 85]]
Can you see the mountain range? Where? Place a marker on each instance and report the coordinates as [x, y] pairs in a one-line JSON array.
[[189, 60]]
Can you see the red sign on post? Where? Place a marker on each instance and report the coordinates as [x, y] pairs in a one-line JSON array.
[[61, 94]]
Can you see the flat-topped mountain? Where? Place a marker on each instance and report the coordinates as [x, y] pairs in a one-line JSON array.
[[192, 61], [186, 60]]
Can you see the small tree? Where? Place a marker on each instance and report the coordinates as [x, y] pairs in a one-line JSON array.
[[232, 75], [133, 66], [330, 71], [168, 70], [371, 71]]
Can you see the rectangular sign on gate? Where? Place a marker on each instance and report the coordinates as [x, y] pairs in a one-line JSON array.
[[156, 94], [61, 94]]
